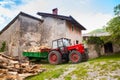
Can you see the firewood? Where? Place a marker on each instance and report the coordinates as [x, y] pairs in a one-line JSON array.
[[3, 67], [35, 67], [16, 66], [2, 77], [11, 76], [6, 67], [3, 71], [36, 48], [2, 59], [5, 56], [10, 68], [13, 62]]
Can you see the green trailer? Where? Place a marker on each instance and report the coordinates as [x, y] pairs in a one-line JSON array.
[[43, 55]]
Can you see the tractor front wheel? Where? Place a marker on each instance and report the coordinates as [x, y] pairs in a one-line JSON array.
[[75, 57], [54, 57]]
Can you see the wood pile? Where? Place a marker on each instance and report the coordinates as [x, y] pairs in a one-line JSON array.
[[36, 48], [12, 69]]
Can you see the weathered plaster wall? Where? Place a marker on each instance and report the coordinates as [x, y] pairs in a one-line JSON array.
[[57, 28], [92, 52], [73, 33], [30, 33], [52, 29], [116, 48], [11, 37]]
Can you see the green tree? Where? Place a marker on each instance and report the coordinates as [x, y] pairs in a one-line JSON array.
[[117, 10], [113, 27]]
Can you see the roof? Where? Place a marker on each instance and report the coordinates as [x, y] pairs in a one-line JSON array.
[[21, 13], [67, 18]]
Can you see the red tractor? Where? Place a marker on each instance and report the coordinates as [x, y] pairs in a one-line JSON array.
[[63, 51]]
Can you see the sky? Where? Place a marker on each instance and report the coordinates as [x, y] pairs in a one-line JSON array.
[[92, 14]]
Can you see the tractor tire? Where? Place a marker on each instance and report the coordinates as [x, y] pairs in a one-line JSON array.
[[75, 57], [54, 57], [85, 57]]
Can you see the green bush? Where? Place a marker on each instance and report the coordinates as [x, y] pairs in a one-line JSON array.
[[95, 40], [2, 49]]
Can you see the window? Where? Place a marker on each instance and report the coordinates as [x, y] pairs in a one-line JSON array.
[[72, 27], [54, 44], [60, 43], [77, 42], [66, 42]]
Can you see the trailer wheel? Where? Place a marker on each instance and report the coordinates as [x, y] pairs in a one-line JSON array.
[[54, 57], [75, 57]]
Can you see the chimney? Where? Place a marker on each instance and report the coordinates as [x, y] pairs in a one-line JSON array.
[[55, 11]]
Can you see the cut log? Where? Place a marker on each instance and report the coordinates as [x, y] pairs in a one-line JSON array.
[[3, 71], [11, 76], [5, 56], [6, 67], [2, 59]]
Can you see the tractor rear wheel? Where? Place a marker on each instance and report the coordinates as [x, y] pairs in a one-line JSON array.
[[75, 57], [54, 57]]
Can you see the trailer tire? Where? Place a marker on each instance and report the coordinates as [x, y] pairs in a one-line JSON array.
[[54, 57], [75, 57]]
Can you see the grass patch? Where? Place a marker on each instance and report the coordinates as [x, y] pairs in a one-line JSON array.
[[52, 71], [114, 57], [67, 77], [117, 77], [47, 75], [80, 72]]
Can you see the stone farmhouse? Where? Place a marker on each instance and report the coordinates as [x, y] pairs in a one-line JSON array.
[[25, 31]]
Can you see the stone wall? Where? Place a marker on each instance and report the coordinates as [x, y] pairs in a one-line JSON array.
[[11, 37], [92, 52], [30, 33], [116, 48]]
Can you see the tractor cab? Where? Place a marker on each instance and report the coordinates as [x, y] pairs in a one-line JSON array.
[[62, 42], [61, 45]]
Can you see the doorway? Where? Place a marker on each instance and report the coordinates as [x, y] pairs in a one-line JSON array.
[[108, 48]]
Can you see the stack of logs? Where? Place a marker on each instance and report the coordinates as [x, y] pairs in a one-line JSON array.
[[12, 69], [36, 48]]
